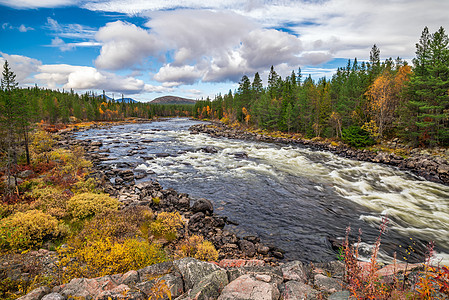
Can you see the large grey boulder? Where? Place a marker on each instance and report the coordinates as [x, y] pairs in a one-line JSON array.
[[248, 287], [194, 270], [294, 271], [210, 286], [295, 290]]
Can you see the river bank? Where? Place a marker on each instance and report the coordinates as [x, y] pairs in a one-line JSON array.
[[434, 168]]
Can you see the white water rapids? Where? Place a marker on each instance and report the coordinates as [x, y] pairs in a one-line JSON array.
[[291, 196]]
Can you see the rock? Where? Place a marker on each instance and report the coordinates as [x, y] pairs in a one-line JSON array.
[[25, 174], [443, 169], [210, 286], [328, 284], [162, 155], [247, 248], [343, 295], [294, 271], [247, 287], [294, 290], [262, 249], [119, 292], [174, 283], [87, 288], [194, 270], [155, 270], [278, 254], [36, 294], [202, 205], [239, 263], [53, 296], [209, 149]]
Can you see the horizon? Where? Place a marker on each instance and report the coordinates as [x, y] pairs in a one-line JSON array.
[[144, 50]]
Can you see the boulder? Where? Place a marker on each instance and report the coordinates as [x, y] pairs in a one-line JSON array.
[[328, 284], [294, 271], [36, 294], [295, 290], [53, 296], [210, 286], [202, 205], [247, 248], [248, 287], [194, 270]]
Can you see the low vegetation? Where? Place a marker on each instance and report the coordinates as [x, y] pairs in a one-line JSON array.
[[364, 281], [55, 205]]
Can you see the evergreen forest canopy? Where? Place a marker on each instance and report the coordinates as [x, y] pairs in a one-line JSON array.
[[381, 99]]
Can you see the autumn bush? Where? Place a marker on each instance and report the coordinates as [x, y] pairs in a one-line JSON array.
[[104, 256], [24, 230], [167, 225], [116, 225], [51, 199], [90, 185], [86, 205], [195, 246], [71, 163]]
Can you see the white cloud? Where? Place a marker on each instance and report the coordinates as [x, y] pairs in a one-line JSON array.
[[263, 48], [197, 33], [71, 31], [124, 45], [22, 66], [23, 28], [88, 78], [31, 4], [174, 75], [63, 46]]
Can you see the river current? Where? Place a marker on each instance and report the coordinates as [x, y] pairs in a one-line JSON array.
[[290, 196]]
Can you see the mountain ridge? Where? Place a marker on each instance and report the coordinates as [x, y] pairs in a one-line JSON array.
[[172, 100]]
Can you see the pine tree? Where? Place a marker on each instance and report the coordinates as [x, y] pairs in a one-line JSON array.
[[9, 117], [427, 89]]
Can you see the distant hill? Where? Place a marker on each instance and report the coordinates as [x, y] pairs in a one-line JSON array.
[[172, 100]]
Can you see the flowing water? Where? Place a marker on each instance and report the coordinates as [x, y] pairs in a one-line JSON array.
[[289, 196]]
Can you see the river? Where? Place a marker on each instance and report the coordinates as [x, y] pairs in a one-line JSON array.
[[293, 197]]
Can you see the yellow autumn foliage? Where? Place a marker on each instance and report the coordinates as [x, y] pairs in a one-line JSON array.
[[25, 230], [167, 225], [85, 205]]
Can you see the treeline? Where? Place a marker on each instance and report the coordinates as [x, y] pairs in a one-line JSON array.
[[383, 99]]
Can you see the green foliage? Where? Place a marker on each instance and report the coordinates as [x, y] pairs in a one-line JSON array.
[[357, 137], [86, 205], [24, 230]]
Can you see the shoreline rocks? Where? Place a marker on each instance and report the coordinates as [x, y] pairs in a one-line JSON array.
[[432, 168]]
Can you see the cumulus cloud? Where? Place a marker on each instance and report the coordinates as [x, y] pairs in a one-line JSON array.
[[173, 75], [88, 78], [263, 48], [22, 66], [124, 45], [197, 33]]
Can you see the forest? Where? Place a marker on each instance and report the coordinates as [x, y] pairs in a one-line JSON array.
[[382, 99]]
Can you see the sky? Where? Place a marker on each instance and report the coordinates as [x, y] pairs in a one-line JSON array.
[[190, 48]]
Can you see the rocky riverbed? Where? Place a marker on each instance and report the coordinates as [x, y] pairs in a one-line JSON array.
[[431, 167]]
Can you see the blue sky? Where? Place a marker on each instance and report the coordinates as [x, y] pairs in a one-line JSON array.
[[146, 49]]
